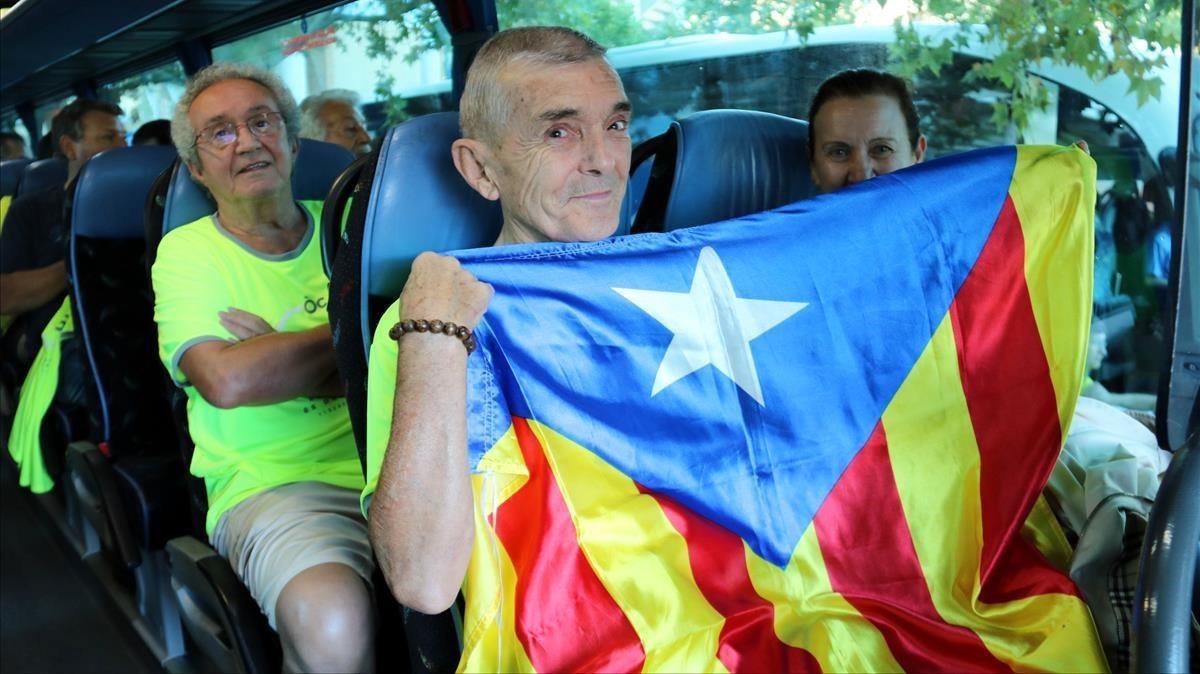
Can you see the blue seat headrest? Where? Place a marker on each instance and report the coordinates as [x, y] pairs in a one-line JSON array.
[[317, 166], [111, 189], [731, 163], [41, 174], [10, 175], [419, 202]]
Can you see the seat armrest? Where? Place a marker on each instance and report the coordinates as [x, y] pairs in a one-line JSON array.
[[95, 485], [220, 615]]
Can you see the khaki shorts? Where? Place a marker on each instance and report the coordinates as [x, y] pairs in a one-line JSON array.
[[274, 535]]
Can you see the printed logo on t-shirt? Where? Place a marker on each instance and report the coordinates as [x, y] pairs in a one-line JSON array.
[[310, 305], [323, 406]]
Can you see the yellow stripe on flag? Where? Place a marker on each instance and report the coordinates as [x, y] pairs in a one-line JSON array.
[[490, 642], [810, 615], [1057, 181], [639, 558], [928, 425]]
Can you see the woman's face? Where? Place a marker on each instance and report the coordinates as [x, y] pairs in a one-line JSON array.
[[856, 139]]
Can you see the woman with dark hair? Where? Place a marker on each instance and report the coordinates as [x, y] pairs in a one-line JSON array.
[[862, 123]]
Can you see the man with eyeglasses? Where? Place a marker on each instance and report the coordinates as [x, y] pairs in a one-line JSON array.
[[33, 246], [240, 301]]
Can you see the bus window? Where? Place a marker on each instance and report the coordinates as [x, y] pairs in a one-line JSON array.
[[388, 52], [46, 111], [148, 95], [10, 123]]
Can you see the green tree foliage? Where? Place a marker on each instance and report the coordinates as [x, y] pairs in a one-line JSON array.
[[609, 22], [1104, 37]]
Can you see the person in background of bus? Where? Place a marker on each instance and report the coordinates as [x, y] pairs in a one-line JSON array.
[[154, 132], [12, 146], [45, 147], [862, 123], [240, 302], [333, 116], [545, 131], [33, 273]]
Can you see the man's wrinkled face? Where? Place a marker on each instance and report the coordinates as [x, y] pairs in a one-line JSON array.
[[344, 126], [562, 162], [856, 139], [252, 166], [100, 131]]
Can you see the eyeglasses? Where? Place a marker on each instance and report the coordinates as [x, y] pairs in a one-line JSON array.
[[223, 134]]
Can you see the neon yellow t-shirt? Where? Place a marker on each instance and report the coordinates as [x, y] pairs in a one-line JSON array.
[[202, 269], [5, 202], [381, 394]]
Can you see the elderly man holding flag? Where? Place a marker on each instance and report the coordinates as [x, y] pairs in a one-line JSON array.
[[805, 440]]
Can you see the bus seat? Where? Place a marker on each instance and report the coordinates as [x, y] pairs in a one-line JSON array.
[[415, 201], [221, 617], [127, 477], [43, 173], [721, 164], [10, 175], [337, 206]]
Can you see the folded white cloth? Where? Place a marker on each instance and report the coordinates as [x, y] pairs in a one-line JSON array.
[[1107, 452]]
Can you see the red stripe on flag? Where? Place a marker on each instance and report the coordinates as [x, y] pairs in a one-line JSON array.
[[748, 642], [1011, 399], [871, 561], [565, 618]]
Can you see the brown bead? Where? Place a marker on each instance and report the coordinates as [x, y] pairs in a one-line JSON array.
[[449, 329], [463, 332], [435, 326], [422, 325], [408, 326], [395, 332]]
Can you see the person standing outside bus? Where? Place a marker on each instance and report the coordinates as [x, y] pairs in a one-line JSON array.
[[240, 306]]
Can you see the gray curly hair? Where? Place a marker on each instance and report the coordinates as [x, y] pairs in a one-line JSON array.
[[183, 134], [311, 125]]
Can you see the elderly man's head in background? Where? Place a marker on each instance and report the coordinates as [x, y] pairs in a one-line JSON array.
[[333, 116], [862, 124], [545, 125], [237, 128]]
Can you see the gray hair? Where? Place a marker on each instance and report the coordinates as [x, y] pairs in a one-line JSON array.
[[311, 107], [487, 101], [183, 134]]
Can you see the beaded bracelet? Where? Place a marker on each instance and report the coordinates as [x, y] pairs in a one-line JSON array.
[[447, 328]]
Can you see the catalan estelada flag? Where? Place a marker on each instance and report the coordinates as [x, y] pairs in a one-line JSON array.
[[810, 439]]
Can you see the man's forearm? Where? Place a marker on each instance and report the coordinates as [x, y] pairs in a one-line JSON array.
[[268, 369], [22, 291], [421, 514]]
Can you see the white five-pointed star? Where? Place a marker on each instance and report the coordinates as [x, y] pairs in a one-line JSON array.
[[711, 326]]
